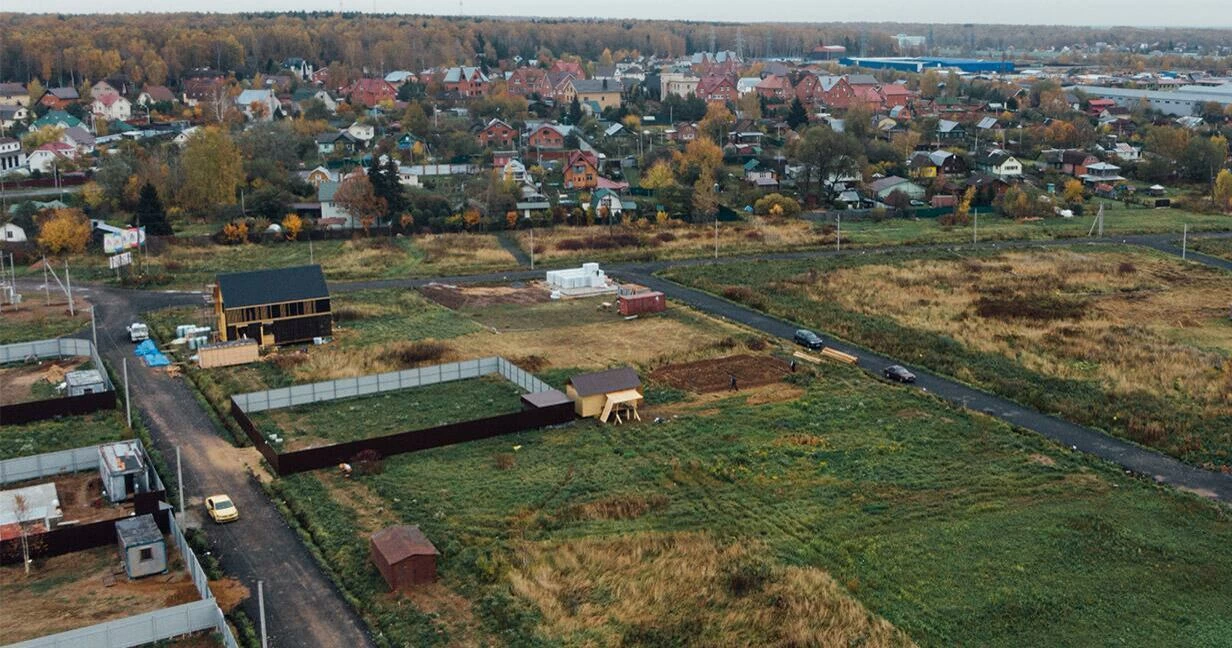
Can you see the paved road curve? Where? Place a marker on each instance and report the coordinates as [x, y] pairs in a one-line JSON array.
[[302, 606]]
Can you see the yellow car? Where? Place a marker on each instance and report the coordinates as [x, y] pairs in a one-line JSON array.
[[221, 509]]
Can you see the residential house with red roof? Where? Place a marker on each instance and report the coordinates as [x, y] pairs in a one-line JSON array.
[[370, 92], [717, 88], [498, 133], [45, 158], [527, 81], [775, 87], [546, 136], [582, 171], [466, 81], [59, 98], [896, 94], [568, 67], [112, 106]]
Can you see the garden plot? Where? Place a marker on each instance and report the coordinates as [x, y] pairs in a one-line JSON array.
[[84, 588], [1121, 338], [35, 381], [363, 417], [715, 374], [62, 433]]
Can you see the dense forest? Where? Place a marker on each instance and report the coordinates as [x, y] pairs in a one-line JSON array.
[[160, 48]]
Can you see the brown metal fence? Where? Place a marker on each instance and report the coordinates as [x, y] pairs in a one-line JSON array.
[[18, 413], [287, 463], [86, 536]]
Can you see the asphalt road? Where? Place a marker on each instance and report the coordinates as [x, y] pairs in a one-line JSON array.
[[302, 606]]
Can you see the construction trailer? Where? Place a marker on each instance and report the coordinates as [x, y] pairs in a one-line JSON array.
[[142, 547], [226, 354], [603, 394], [404, 556]]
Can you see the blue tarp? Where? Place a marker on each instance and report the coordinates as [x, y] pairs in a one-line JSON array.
[[156, 359], [146, 348]]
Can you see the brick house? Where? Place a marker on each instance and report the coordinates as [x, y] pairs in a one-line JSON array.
[[527, 81], [498, 133], [466, 81], [547, 136], [582, 171], [717, 88], [370, 92], [775, 87]]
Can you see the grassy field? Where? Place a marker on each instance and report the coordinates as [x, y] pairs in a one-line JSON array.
[[736, 523], [34, 319], [760, 235], [365, 417], [192, 266], [1120, 338], [61, 434], [1221, 248]]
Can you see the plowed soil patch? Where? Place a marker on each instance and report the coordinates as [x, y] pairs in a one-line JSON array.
[[715, 374]]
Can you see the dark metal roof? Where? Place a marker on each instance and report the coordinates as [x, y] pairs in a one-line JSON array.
[[140, 530], [397, 543], [241, 289], [605, 381], [545, 398]]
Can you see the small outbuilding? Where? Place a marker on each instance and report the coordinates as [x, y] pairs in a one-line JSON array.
[[602, 393], [404, 556], [142, 547], [642, 302], [86, 381], [122, 467]]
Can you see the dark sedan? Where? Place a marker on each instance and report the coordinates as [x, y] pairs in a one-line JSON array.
[[809, 340], [899, 373]]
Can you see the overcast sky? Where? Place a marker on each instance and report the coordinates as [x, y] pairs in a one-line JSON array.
[[1208, 13]]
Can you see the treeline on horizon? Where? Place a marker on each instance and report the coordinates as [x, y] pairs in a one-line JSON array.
[[161, 48]]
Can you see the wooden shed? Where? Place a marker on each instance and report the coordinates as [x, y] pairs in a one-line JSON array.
[[599, 394], [404, 556]]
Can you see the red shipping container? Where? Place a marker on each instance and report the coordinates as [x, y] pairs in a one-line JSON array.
[[647, 302]]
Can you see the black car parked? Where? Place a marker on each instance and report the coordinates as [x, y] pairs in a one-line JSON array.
[[809, 340], [899, 373]]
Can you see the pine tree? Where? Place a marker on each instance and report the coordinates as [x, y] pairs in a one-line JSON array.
[[575, 112], [796, 115], [150, 213]]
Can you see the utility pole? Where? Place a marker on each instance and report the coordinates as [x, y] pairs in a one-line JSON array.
[[179, 478], [1184, 240], [128, 403], [72, 310], [93, 329], [261, 607]]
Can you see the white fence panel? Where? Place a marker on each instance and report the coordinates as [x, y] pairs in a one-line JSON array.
[[49, 463], [136, 630], [377, 383]]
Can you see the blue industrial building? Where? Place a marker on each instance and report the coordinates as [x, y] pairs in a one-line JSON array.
[[921, 63]]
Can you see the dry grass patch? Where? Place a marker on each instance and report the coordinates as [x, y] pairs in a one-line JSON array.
[[687, 589], [1064, 313], [617, 507], [672, 241], [464, 250]]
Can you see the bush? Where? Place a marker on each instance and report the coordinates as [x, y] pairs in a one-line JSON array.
[[368, 462], [413, 353], [747, 575], [744, 295], [665, 237], [1039, 307]]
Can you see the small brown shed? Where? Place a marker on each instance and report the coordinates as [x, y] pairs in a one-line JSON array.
[[596, 394], [404, 556]]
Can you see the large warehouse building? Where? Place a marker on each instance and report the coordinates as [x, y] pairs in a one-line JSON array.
[[1182, 102], [921, 63]]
